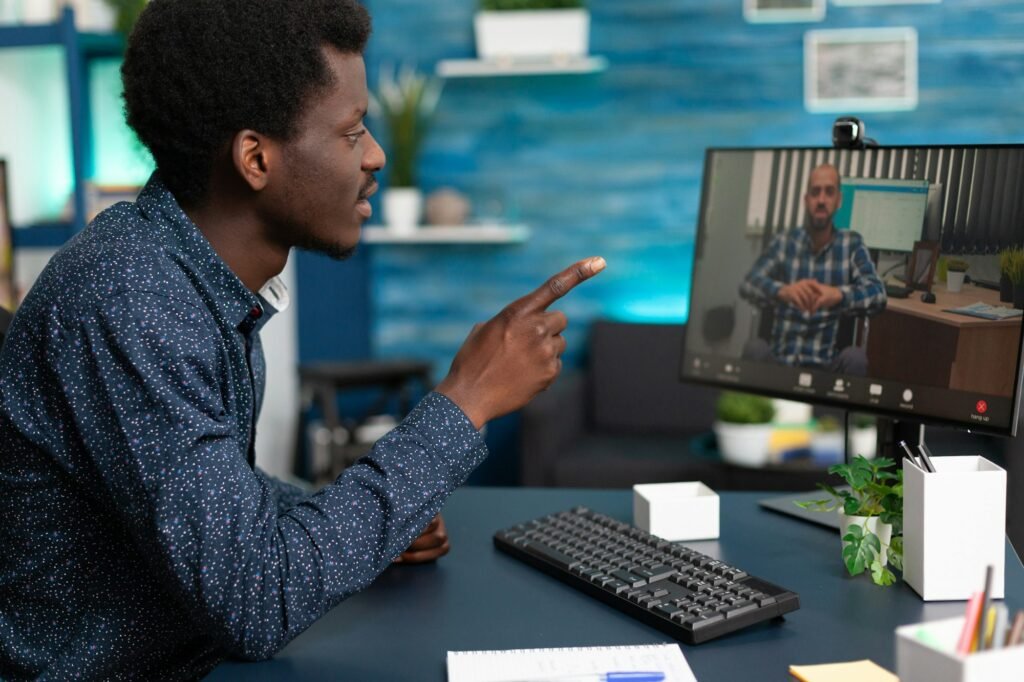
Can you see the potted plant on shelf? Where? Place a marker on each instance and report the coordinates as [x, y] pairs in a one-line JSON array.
[[743, 428], [405, 103], [870, 515], [864, 435], [532, 29], [125, 14], [956, 270]]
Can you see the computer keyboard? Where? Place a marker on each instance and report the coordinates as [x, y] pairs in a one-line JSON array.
[[896, 291], [689, 595]]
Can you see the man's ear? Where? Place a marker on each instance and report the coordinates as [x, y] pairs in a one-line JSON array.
[[253, 155]]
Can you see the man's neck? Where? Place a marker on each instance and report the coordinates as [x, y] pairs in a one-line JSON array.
[[821, 238], [235, 233]]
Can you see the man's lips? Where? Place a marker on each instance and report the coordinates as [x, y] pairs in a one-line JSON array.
[[368, 192]]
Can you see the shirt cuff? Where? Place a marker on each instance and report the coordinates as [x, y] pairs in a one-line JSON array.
[[445, 427]]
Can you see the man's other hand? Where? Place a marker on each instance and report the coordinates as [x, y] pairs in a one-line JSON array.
[[515, 355], [828, 297], [429, 546], [810, 295]]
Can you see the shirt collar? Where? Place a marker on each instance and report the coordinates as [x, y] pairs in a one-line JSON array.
[[229, 297]]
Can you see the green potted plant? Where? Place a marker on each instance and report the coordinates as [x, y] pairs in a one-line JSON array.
[[743, 428], [1005, 285], [955, 272], [1015, 272], [404, 102], [863, 435], [125, 14], [531, 29], [870, 515]]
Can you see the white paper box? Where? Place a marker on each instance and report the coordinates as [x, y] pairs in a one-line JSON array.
[[676, 511], [953, 527], [532, 34], [919, 662]]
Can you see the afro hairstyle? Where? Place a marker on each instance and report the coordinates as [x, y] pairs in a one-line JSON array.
[[196, 72]]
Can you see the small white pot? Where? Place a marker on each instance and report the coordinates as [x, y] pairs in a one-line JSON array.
[[532, 34], [871, 523], [864, 441], [954, 281], [402, 209], [744, 444]]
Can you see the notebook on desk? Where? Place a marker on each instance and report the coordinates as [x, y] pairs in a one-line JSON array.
[[786, 504]]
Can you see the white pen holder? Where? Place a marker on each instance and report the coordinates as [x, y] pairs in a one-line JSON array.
[[954, 527], [920, 661]]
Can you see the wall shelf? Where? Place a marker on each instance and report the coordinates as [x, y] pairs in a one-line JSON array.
[[42, 235], [449, 234], [479, 68]]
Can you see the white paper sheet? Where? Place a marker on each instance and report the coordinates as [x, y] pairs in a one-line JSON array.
[[523, 665]]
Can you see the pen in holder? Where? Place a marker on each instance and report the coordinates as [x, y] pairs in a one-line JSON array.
[[953, 527]]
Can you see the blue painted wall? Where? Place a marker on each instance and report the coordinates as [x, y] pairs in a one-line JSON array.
[[611, 163]]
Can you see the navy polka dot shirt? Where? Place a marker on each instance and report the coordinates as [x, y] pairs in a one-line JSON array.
[[138, 541]]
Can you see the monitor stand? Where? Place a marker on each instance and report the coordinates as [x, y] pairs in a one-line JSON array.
[[890, 433]]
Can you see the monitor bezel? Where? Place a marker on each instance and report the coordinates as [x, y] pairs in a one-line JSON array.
[[972, 427]]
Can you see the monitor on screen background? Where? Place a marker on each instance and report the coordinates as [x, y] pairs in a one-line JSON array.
[[803, 247]]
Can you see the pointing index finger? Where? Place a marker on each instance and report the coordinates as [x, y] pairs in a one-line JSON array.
[[559, 285]]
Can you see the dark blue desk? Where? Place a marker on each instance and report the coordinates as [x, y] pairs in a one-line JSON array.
[[478, 598]]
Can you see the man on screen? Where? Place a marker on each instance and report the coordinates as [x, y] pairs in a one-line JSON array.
[[810, 277]]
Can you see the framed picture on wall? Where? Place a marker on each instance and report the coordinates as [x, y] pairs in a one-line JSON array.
[[871, 69], [7, 292], [762, 11], [854, 3]]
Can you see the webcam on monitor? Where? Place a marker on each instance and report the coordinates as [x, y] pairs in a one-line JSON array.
[[848, 132]]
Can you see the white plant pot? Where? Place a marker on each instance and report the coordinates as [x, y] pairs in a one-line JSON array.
[[93, 15], [873, 524], [39, 11], [954, 281], [864, 441], [402, 209], [532, 34], [744, 444]]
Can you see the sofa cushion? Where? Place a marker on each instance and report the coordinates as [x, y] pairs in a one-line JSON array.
[[634, 381]]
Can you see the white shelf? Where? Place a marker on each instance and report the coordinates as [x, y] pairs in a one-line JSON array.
[[468, 68], [449, 234]]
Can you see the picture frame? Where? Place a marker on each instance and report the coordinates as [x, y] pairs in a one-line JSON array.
[[858, 3], [921, 265], [8, 293], [860, 70], [776, 11]]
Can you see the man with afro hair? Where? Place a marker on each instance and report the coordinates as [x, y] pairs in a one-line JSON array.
[[140, 542]]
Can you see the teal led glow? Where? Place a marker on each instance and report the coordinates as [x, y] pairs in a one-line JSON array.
[[665, 308], [118, 157]]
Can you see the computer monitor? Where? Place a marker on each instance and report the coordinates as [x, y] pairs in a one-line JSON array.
[[888, 214], [767, 222]]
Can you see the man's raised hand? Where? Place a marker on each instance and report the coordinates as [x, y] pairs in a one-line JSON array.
[[515, 355]]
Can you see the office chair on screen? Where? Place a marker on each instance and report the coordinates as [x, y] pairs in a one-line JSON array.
[[853, 329]]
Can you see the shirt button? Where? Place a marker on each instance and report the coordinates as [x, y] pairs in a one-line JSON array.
[[256, 312]]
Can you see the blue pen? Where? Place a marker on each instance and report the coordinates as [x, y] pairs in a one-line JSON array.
[[617, 676]]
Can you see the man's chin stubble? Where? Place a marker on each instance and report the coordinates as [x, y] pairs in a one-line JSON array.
[[329, 249]]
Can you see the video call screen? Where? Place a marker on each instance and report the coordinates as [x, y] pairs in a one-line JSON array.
[[869, 279]]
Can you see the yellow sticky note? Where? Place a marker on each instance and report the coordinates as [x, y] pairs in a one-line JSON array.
[[853, 671]]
